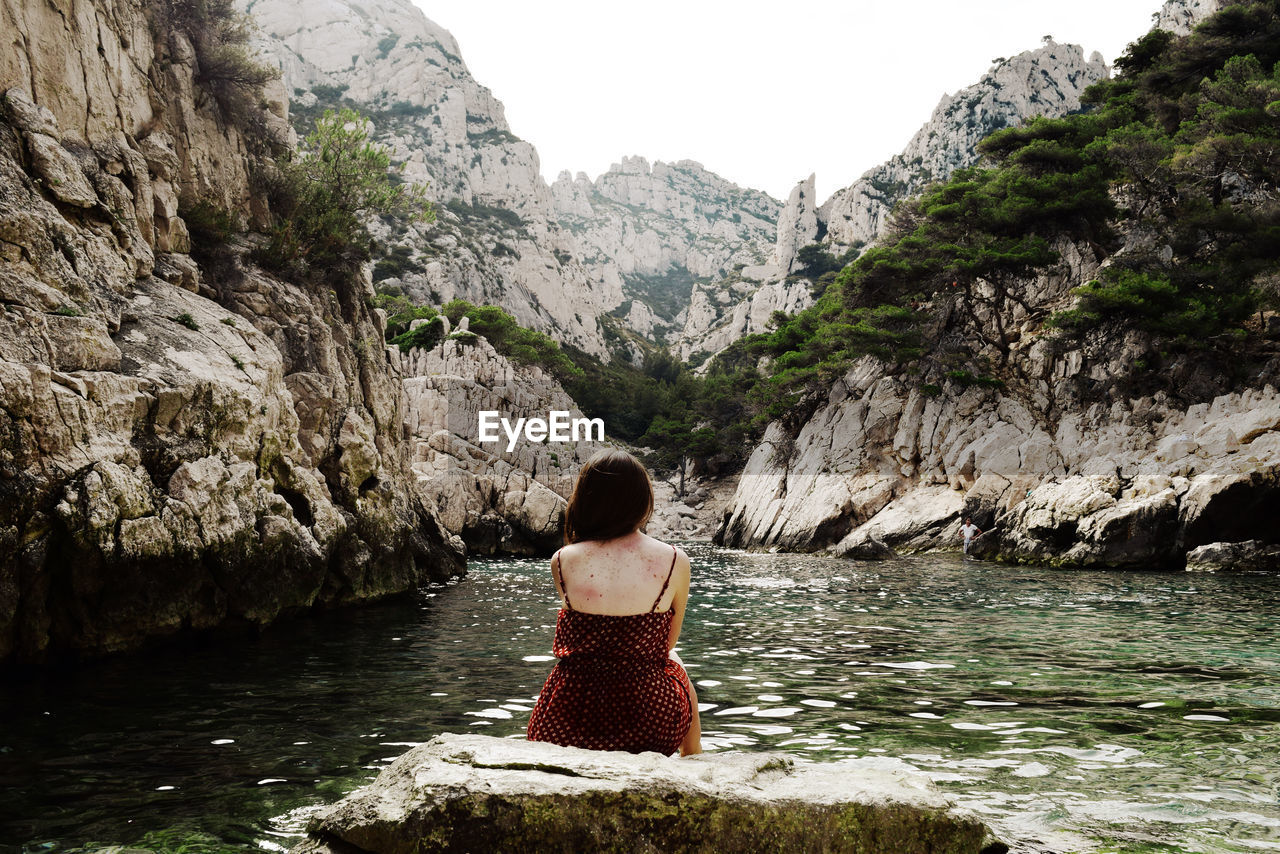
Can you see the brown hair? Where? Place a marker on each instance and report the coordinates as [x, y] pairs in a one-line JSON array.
[[612, 498]]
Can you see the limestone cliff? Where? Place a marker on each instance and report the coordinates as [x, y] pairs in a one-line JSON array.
[[1076, 450], [497, 239], [183, 445], [1047, 81], [654, 229], [1181, 16], [1069, 467]]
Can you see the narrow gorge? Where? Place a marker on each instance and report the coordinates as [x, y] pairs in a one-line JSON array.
[[257, 547]]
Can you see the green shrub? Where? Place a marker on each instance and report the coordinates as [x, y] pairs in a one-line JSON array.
[[386, 44], [225, 67], [967, 378], [426, 336], [211, 226], [320, 201], [188, 321], [395, 265]]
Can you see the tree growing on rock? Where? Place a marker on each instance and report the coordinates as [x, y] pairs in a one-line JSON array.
[[322, 198]]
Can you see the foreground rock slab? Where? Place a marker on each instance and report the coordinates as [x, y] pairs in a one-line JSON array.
[[479, 793]]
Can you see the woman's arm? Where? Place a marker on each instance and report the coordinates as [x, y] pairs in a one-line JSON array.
[[680, 577], [557, 578]]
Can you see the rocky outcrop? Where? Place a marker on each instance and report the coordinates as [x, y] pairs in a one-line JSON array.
[[741, 305], [497, 240], [1181, 16], [183, 446], [721, 312], [498, 499], [798, 225], [1247, 556], [655, 229], [1047, 81], [1132, 485], [479, 793], [1058, 474]]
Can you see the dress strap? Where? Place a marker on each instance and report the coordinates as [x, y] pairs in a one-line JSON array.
[[663, 591], [558, 576]]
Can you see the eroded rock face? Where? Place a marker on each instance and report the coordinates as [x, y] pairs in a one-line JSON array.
[[798, 225], [498, 501], [182, 446], [1181, 16], [479, 793], [1107, 487], [1052, 472], [656, 228], [497, 240]]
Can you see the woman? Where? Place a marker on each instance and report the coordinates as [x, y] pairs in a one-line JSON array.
[[619, 684]]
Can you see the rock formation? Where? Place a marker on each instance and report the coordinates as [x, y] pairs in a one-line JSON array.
[[654, 230], [740, 304], [1181, 16], [1245, 556], [497, 500], [798, 226], [184, 445], [1067, 469], [1047, 81], [497, 240], [480, 793]]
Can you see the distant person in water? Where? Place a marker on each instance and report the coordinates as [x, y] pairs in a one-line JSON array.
[[619, 684], [969, 531]]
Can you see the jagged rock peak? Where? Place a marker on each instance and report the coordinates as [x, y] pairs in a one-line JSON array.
[[1047, 81], [497, 240], [1182, 16], [358, 40], [798, 225], [654, 228]]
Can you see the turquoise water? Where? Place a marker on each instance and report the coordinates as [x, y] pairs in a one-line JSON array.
[[1117, 711]]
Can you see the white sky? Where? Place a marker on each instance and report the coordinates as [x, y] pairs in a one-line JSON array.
[[761, 93]]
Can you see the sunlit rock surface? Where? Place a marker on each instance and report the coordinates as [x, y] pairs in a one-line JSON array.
[[1181, 16], [479, 793], [497, 240], [657, 228]]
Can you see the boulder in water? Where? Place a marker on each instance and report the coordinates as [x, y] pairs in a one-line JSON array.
[[480, 793], [1246, 556]]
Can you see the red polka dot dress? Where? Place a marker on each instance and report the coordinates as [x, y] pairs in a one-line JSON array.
[[614, 688]]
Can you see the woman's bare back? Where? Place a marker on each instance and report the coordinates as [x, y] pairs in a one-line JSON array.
[[622, 576]]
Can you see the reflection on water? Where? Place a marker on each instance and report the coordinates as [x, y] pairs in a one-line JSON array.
[[1129, 707]]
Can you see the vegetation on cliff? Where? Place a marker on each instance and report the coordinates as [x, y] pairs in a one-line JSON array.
[[321, 200], [1169, 174], [1175, 160], [225, 67]]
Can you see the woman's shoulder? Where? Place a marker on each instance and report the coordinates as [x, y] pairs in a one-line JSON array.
[[659, 547]]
